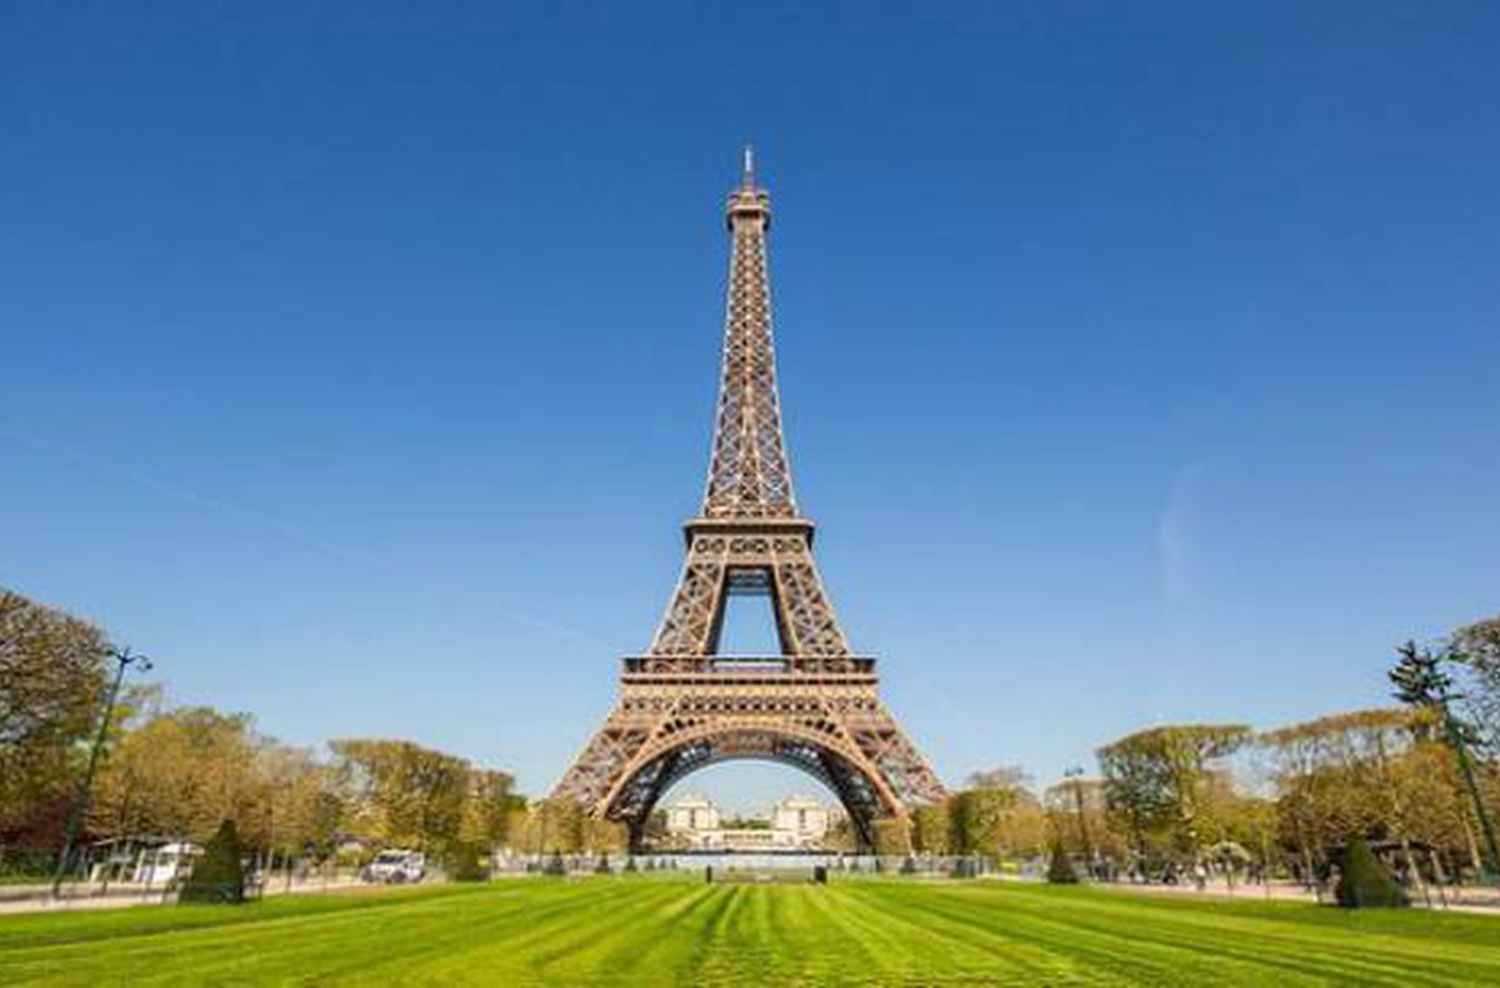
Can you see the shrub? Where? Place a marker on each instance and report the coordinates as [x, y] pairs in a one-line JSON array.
[[1365, 882], [465, 864], [1060, 868], [219, 875]]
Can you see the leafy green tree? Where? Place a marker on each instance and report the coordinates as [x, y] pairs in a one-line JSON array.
[[52, 676], [181, 772], [892, 837], [997, 817], [218, 876], [555, 826], [1162, 780], [931, 829], [490, 808], [401, 793], [1477, 647]]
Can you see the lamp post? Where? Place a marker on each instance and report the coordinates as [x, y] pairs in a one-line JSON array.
[[124, 659], [1076, 774]]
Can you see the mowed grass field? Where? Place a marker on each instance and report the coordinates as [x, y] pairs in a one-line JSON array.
[[662, 931]]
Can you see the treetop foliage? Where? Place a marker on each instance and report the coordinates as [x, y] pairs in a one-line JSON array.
[[53, 671]]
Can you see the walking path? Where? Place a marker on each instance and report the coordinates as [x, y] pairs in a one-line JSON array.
[[38, 898]]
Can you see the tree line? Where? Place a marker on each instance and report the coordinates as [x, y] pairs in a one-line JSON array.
[[1419, 779], [180, 771]]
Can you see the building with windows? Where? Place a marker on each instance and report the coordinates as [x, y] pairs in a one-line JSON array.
[[796, 823]]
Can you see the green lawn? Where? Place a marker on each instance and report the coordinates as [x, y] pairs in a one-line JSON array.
[[658, 931]]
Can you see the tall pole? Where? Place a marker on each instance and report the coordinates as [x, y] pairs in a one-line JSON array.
[[124, 659], [1083, 828], [1460, 748]]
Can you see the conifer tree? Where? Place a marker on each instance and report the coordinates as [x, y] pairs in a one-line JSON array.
[[1366, 882], [1060, 868], [218, 877]]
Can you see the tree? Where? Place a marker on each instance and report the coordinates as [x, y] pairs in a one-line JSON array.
[[931, 829], [490, 808], [180, 773], [52, 676], [1421, 681], [1477, 646], [554, 826], [465, 863], [1059, 867], [401, 793], [1161, 781], [218, 876], [1078, 814], [297, 804], [892, 837], [999, 818]]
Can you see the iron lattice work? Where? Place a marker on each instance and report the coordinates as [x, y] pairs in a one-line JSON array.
[[814, 706]]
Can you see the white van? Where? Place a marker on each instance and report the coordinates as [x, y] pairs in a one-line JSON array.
[[396, 866]]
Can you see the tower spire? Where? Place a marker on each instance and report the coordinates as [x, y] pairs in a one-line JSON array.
[[748, 475]]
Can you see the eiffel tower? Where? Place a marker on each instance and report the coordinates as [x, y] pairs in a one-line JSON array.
[[815, 706]]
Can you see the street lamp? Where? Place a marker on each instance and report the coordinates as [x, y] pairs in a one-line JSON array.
[[124, 659], [1076, 774]]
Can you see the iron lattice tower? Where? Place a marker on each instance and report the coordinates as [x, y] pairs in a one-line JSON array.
[[682, 705]]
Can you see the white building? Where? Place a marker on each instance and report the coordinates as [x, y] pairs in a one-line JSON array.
[[805, 817], [692, 814], [795, 823]]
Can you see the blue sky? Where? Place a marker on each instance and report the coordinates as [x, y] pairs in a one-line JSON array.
[[1138, 360]]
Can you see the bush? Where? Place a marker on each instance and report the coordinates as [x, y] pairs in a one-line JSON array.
[[1365, 882], [465, 864], [219, 875], [554, 865], [1060, 868]]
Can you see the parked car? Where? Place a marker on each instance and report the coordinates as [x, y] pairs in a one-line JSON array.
[[396, 867]]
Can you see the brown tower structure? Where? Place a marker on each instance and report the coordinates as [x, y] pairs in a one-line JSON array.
[[814, 706]]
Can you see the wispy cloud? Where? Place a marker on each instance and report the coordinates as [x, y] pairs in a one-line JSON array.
[[1176, 547], [290, 531]]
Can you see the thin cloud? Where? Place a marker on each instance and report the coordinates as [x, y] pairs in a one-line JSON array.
[[1176, 550], [288, 530]]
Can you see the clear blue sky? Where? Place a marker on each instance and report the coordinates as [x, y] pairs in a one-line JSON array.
[[1139, 360]]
